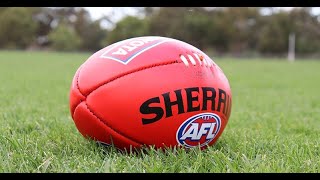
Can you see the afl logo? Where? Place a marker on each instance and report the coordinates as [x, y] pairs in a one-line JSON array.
[[198, 130]]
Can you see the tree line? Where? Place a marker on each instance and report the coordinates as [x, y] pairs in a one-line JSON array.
[[239, 31]]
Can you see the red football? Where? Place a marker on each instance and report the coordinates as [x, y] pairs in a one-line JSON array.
[[150, 91]]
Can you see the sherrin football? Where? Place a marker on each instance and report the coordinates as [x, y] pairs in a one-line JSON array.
[[150, 91]]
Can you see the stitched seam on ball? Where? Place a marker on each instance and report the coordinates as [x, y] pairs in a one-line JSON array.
[[110, 126], [77, 85], [134, 71]]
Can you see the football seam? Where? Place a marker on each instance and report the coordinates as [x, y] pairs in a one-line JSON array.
[[117, 77], [121, 134], [113, 79], [125, 74], [77, 85]]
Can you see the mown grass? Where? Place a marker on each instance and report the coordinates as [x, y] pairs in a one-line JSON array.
[[274, 124]]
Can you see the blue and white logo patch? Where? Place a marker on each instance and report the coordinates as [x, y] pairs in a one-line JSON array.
[[126, 50], [198, 130]]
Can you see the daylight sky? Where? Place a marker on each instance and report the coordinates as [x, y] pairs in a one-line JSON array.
[[97, 12], [117, 13]]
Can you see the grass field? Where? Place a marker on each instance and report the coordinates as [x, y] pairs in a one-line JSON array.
[[274, 124]]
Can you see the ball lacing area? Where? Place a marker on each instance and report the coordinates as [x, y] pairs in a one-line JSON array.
[[194, 59]]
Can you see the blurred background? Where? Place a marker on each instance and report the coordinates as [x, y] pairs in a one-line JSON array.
[[236, 32]]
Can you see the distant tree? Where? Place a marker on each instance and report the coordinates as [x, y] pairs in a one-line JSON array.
[[46, 19], [89, 31], [18, 28], [127, 28], [66, 15], [148, 11], [64, 38], [220, 30], [93, 37], [273, 33], [307, 30], [183, 23], [243, 25], [204, 27], [169, 22], [196, 30]]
